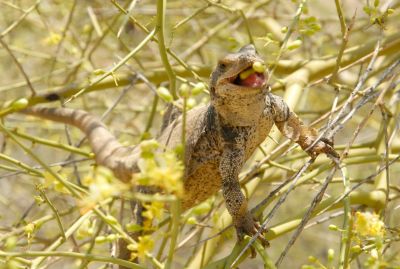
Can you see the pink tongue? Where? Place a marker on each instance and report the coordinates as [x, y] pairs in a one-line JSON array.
[[255, 80]]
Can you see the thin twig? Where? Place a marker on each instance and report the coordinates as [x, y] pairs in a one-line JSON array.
[[365, 180], [116, 67], [63, 35], [21, 69], [345, 241], [51, 143], [211, 32], [38, 167], [54, 209], [319, 196], [20, 19], [365, 120], [317, 199], [328, 131], [287, 36], [188, 18], [126, 18], [345, 37], [294, 180], [369, 94]]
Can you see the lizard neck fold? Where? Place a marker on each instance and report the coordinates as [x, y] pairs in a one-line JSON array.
[[240, 109]]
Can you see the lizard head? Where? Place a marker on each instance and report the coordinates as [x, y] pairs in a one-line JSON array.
[[235, 73]]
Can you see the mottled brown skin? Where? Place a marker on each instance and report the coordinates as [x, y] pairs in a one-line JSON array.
[[220, 137], [231, 127]]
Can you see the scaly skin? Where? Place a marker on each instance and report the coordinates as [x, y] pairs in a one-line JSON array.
[[220, 137]]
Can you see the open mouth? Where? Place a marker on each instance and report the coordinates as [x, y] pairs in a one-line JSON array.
[[249, 78]]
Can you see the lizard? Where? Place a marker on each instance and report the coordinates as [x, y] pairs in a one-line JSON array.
[[220, 136]]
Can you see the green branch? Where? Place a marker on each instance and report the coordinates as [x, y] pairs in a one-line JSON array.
[[35, 139], [161, 7], [116, 67], [75, 255]]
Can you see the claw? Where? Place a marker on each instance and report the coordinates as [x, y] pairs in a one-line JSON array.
[[251, 228], [323, 146], [328, 148], [261, 237], [327, 141], [253, 253]]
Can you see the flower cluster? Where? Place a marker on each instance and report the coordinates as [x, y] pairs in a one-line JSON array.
[[144, 244], [160, 169], [377, 15], [101, 184], [368, 224]]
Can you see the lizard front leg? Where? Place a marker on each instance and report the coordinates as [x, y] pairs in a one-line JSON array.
[[236, 203], [293, 128]]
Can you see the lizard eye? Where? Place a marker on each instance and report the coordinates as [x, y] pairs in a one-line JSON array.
[[222, 66]]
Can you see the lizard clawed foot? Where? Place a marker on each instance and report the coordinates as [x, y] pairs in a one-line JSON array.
[[261, 237], [248, 226], [324, 145]]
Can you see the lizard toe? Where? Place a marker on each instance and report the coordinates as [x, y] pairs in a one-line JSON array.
[[251, 228]]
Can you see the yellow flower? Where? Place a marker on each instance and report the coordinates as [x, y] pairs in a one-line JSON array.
[[154, 210], [52, 39], [161, 169], [86, 229], [51, 181], [144, 244], [369, 224], [102, 185], [30, 229]]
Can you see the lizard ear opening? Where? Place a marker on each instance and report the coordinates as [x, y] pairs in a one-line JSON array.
[[212, 91]]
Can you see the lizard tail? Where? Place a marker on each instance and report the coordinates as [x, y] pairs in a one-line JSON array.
[[108, 151]]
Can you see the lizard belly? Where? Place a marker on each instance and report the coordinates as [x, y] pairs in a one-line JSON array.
[[258, 135], [204, 178], [201, 184]]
